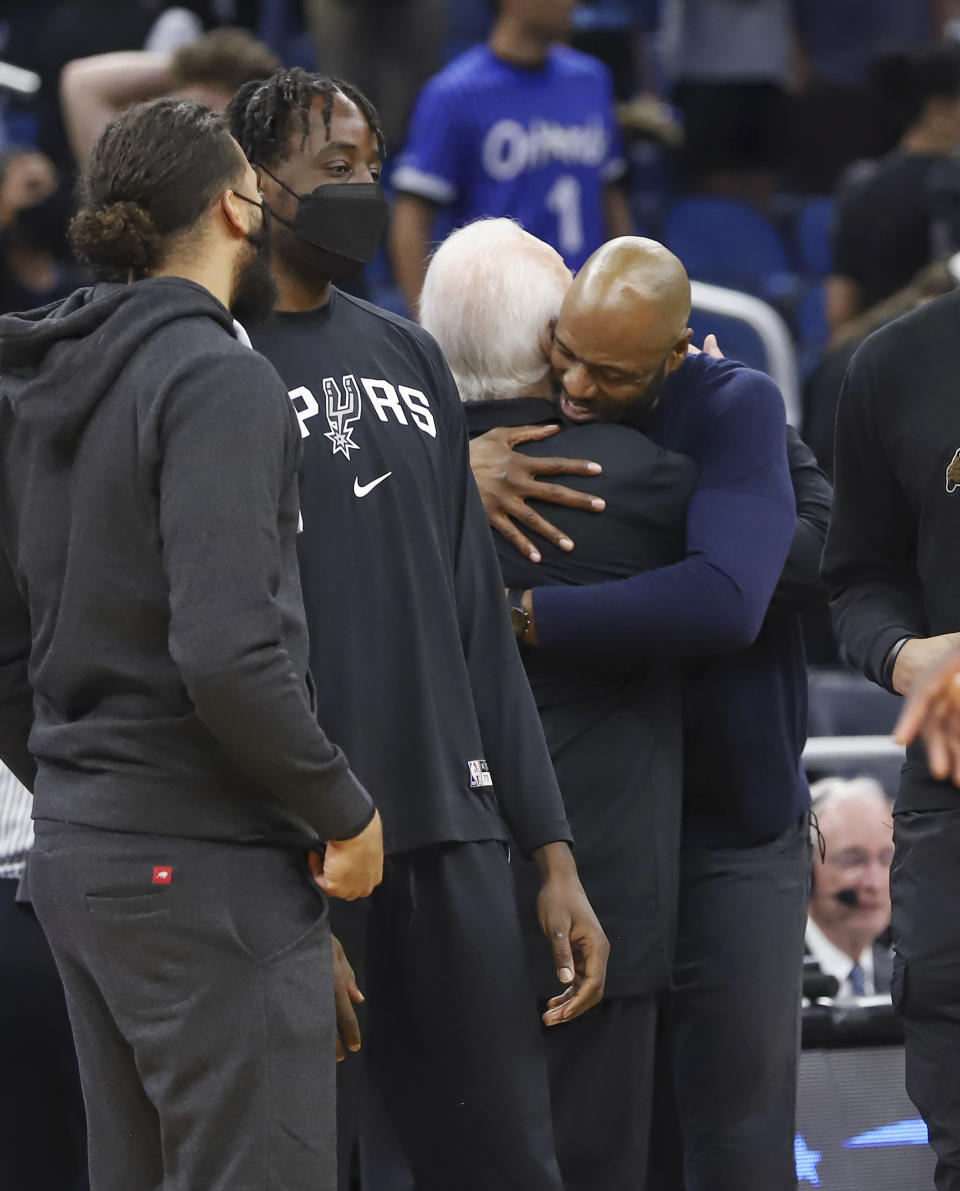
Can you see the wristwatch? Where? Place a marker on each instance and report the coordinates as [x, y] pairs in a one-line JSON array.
[[519, 616]]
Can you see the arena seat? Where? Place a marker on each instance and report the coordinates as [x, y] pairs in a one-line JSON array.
[[844, 704], [729, 243], [814, 252], [751, 331]]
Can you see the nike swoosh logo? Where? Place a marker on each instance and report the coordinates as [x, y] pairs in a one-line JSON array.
[[362, 489]]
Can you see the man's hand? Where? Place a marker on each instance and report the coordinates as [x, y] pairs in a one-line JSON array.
[[507, 480], [933, 712], [351, 868], [917, 656], [346, 994], [580, 948], [710, 348]]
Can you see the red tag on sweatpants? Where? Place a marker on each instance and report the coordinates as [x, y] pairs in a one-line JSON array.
[[162, 874]]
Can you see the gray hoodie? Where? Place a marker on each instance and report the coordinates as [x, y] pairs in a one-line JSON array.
[[152, 639]]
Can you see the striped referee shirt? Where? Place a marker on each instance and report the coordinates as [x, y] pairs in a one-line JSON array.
[[16, 825]]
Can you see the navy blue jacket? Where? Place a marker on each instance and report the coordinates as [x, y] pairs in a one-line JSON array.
[[745, 705]]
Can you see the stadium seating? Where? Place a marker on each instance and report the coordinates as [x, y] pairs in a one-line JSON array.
[[730, 243]]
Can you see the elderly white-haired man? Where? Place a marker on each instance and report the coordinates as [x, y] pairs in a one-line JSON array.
[[848, 921], [490, 298], [491, 295]]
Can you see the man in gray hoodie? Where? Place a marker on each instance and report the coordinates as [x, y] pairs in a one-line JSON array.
[[153, 682]]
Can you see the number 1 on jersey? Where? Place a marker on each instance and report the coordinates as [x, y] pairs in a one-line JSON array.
[[563, 200]]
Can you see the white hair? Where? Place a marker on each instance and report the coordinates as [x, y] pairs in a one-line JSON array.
[[834, 789], [490, 292]]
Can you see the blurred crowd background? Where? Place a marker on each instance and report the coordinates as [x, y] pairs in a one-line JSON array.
[[801, 152]]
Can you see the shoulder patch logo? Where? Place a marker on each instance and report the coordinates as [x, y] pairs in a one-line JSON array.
[[953, 472]]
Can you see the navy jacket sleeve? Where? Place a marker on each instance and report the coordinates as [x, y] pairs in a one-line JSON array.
[[740, 523], [869, 562], [801, 586], [516, 751], [16, 701]]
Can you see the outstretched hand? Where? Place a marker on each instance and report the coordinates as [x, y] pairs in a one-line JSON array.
[[710, 348], [933, 712], [507, 479]]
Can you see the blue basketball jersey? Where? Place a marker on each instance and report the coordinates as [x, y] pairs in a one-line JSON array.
[[491, 138]]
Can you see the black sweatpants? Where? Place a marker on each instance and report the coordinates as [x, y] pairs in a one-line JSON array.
[[730, 1029], [42, 1130], [199, 985], [452, 1047], [601, 1085], [925, 890]]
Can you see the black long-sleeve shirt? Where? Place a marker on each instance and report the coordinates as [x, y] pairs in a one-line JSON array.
[[153, 645], [893, 549], [417, 669], [614, 731]]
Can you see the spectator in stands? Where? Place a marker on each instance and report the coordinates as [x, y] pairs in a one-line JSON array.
[[837, 117], [849, 914], [387, 48], [904, 212], [94, 90], [822, 389], [521, 126], [34, 267], [615, 31], [731, 67]]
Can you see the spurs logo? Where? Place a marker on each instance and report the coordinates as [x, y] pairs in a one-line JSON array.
[[343, 405], [343, 409], [953, 473]]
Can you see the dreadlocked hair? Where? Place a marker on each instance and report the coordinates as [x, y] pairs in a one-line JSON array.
[[262, 115]]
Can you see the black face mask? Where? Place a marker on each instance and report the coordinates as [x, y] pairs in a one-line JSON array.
[[344, 220]]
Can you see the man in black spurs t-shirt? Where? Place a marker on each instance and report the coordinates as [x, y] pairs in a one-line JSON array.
[[419, 676]]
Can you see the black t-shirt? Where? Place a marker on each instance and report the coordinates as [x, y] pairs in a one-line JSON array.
[[895, 220], [417, 671]]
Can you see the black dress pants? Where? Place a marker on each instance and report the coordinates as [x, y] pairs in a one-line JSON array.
[[725, 1098], [925, 890], [452, 1055], [199, 985], [42, 1129], [601, 1085]]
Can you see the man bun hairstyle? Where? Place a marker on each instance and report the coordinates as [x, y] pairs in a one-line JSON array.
[[152, 174], [262, 116], [116, 240]]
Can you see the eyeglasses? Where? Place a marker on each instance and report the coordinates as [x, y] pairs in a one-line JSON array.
[[859, 858]]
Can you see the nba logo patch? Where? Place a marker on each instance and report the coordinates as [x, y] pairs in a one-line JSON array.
[[479, 774], [162, 874]]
